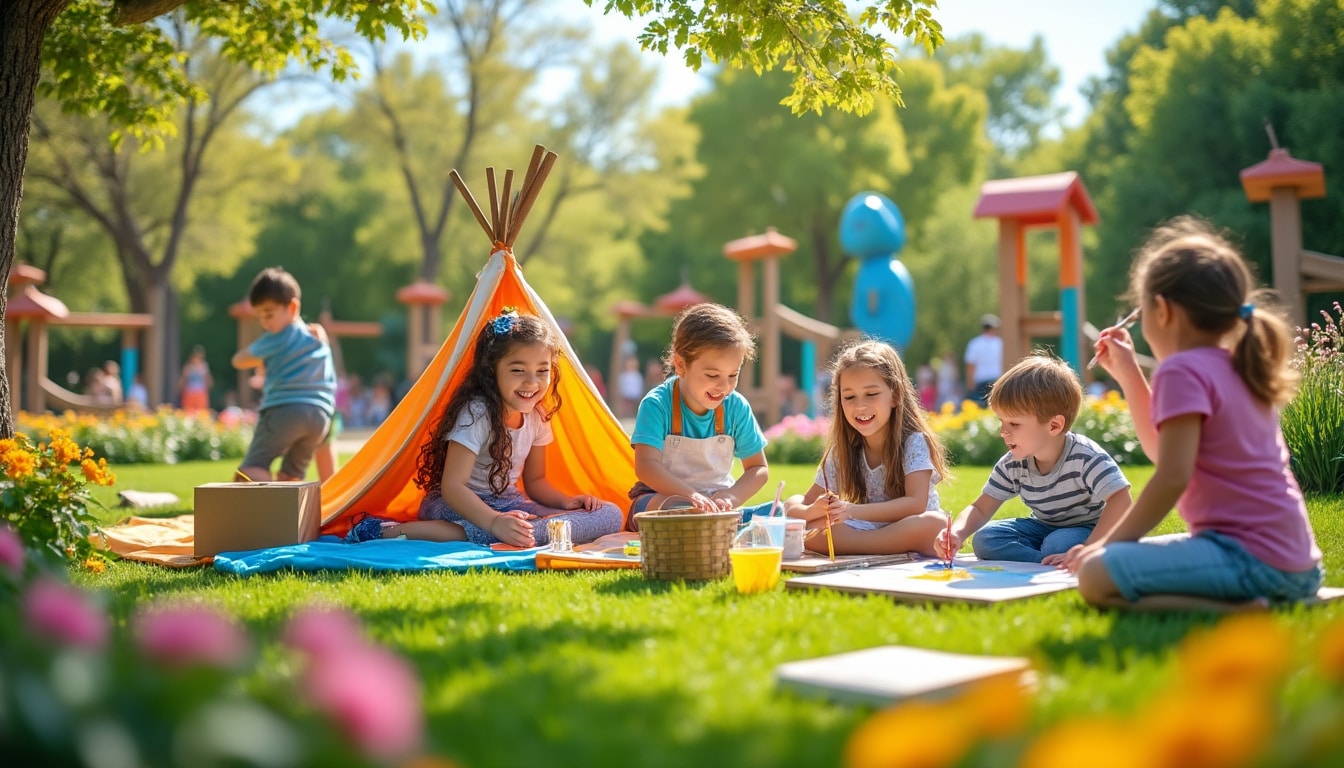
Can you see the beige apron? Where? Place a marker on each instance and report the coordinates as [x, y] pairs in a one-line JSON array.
[[706, 463]]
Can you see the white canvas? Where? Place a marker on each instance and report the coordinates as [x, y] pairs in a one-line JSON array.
[[887, 674], [981, 582]]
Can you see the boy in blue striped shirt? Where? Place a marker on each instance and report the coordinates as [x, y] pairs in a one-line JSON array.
[[1074, 489]]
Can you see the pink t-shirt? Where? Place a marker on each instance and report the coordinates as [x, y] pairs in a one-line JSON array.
[[1241, 486]]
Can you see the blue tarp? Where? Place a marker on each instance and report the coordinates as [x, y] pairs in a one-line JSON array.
[[330, 553]]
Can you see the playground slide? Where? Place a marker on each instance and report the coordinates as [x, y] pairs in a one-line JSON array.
[[804, 328], [1320, 266], [60, 398]]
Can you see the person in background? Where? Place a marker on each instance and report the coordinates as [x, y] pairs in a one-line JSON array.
[[195, 381], [984, 360]]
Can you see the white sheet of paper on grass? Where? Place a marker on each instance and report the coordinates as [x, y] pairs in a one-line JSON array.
[[883, 675]]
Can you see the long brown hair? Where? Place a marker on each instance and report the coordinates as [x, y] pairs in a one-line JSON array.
[[907, 417], [500, 336], [1187, 262]]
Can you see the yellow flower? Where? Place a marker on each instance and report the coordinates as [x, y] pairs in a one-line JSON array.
[[1205, 728], [95, 564], [996, 707], [1091, 742], [1246, 650], [1330, 653], [912, 735]]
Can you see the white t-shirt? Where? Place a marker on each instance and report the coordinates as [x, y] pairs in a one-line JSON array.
[[631, 385], [986, 354], [472, 431], [915, 457]]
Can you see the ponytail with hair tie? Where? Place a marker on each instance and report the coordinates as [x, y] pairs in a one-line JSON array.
[[1245, 311]]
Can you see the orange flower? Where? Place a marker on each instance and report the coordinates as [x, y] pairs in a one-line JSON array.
[[1330, 653], [916, 734], [1206, 728], [95, 564], [1246, 650], [1095, 743], [19, 463]]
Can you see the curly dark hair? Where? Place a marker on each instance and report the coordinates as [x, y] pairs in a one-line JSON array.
[[500, 336]]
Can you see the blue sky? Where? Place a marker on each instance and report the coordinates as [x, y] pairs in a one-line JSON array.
[[1076, 33]]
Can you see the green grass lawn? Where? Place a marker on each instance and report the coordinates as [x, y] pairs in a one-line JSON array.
[[605, 668]]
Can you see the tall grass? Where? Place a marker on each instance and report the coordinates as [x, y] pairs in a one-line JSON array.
[[1313, 422]]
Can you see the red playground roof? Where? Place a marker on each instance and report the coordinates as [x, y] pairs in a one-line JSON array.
[[1035, 199], [1281, 169], [33, 303], [763, 246], [684, 296]]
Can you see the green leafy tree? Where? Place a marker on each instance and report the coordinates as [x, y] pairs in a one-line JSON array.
[[1019, 85], [1193, 117], [104, 57]]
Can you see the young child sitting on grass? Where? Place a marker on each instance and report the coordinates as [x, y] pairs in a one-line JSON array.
[[1073, 488], [690, 428], [494, 431], [1210, 424], [881, 464]]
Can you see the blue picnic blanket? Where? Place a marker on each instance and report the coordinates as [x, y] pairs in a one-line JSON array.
[[330, 553]]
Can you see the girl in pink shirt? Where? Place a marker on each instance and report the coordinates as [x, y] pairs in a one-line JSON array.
[[1210, 425]]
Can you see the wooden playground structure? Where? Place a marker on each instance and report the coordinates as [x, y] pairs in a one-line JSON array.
[[1059, 201], [773, 320], [1284, 182], [32, 389]]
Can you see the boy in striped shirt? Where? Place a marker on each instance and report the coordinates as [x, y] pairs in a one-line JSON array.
[[1074, 490]]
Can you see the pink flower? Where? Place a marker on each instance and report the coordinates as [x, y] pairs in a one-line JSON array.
[[322, 632], [63, 613], [11, 551], [189, 635], [372, 695]]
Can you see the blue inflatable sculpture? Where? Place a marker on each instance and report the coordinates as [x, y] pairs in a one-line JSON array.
[[883, 305]]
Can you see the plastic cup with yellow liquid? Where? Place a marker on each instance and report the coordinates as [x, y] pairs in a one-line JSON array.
[[756, 559]]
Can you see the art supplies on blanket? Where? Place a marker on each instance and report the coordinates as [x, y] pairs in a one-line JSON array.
[[891, 673], [813, 563], [615, 550], [928, 580]]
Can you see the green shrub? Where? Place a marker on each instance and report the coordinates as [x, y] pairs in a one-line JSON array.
[[1313, 422]]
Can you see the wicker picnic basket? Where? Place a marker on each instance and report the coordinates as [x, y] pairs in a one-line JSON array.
[[685, 544]]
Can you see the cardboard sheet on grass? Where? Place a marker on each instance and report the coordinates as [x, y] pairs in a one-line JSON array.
[[892, 673], [929, 580]]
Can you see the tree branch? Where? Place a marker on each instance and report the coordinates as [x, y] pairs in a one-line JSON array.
[[140, 11]]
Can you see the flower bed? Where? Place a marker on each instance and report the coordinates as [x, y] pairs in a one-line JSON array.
[[166, 436]]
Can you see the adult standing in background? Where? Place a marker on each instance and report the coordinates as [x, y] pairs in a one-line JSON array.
[[984, 360]]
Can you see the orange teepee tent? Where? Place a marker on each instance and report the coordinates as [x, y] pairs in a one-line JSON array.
[[591, 452]]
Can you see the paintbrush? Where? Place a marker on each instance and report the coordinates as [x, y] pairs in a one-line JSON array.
[[950, 553], [826, 484], [1123, 325]]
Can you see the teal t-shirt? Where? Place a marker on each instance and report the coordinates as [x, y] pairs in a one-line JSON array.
[[653, 422], [298, 368]]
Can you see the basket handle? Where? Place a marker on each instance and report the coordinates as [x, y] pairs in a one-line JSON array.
[[662, 505]]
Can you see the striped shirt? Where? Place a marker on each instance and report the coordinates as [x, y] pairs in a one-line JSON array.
[[1072, 493]]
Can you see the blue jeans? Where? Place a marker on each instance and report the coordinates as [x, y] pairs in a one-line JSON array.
[[1211, 565], [585, 526], [1026, 539]]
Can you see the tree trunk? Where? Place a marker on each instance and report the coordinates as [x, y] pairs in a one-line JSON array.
[[23, 24]]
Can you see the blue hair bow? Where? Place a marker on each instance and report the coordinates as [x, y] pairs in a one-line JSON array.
[[503, 325]]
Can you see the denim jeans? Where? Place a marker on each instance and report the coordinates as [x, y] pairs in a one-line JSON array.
[[1026, 539]]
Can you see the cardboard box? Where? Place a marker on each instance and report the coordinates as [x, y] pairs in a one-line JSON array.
[[235, 517]]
